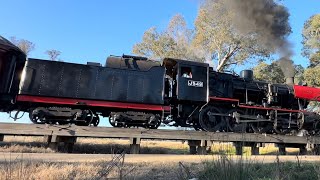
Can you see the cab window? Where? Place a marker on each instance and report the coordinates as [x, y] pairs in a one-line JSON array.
[[186, 72]]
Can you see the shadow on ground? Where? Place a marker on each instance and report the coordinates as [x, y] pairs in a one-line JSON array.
[[85, 148]]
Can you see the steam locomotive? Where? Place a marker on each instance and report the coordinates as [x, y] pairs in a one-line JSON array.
[[137, 92]]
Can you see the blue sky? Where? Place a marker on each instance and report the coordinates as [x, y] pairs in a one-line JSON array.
[[85, 31], [91, 30]]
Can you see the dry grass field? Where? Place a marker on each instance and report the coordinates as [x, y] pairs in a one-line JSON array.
[[222, 168], [24, 144], [95, 170]]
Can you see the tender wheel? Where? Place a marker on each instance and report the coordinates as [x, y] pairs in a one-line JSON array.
[[153, 126], [114, 119], [154, 122], [93, 119], [209, 120], [36, 118], [97, 121]]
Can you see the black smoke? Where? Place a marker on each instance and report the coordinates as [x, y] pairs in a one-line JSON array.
[[268, 21]]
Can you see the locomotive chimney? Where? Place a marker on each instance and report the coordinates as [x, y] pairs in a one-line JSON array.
[[290, 80]]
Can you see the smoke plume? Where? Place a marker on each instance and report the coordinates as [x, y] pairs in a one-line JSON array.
[[287, 67], [266, 20]]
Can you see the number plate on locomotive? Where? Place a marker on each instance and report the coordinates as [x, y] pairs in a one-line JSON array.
[[195, 83]]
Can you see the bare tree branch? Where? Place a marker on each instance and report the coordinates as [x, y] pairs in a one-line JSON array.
[[53, 54], [25, 45]]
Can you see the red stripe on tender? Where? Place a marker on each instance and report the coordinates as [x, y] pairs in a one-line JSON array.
[[224, 99], [94, 103]]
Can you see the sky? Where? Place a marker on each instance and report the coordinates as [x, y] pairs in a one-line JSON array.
[[92, 30]]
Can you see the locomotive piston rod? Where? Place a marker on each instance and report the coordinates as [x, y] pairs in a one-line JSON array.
[[237, 116]]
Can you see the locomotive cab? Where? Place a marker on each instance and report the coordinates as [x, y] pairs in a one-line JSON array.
[[12, 60], [190, 80]]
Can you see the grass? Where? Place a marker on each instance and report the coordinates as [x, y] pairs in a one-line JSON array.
[[269, 149], [221, 168], [226, 168], [24, 144], [90, 170]]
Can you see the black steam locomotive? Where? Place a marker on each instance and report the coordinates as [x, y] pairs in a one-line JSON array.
[[135, 91]]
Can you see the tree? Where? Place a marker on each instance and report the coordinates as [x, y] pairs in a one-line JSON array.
[[311, 76], [311, 49], [219, 35], [311, 40], [174, 41], [53, 54], [232, 32], [25, 45], [299, 74], [273, 73]]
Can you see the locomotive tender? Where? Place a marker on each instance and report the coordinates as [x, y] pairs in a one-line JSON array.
[[135, 91]]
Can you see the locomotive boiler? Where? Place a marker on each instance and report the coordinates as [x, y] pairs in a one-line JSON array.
[[134, 91]]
